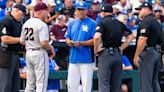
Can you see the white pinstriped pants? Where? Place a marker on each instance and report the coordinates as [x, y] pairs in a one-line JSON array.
[[79, 71], [37, 70]]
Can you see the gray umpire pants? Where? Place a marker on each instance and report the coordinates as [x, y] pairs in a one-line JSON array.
[[148, 70], [109, 71], [9, 78]]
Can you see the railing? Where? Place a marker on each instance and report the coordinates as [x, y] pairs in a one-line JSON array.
[[132, 74]]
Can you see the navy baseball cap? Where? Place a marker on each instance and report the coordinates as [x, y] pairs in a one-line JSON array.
[[21, 7], [106, 8], [145, 4], [40, 6], [81, 5]]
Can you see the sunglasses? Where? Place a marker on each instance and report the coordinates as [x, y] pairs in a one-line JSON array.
[[80, 9], [157, 11]]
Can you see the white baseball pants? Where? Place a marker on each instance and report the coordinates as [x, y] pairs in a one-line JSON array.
[[77, 72]]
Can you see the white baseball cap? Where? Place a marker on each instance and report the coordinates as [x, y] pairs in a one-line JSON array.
[[51, 2]]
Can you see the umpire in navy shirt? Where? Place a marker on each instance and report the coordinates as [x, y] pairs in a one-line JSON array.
[[146, 56], [10, 30], [110, 32]]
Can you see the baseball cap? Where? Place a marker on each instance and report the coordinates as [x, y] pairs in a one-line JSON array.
[[130, 19], [21, 7], [124, 12], [145, 4], [157, 9], [81, 5], [51, 3], [106, 8], [60, 17], [95, 2], [40, 6]]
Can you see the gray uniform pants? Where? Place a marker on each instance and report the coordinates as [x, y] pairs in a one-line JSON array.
[[37, 70], [9, 78], [109, 71], [148, 69]]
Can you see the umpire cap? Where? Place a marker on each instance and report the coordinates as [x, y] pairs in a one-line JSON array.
[[145, 4], [106, 8], [21, 7]]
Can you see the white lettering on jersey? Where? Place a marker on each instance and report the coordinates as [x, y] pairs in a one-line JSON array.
[[4, 30], [85, 28]]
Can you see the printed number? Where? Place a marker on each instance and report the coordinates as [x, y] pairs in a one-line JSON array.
[[29, 34]]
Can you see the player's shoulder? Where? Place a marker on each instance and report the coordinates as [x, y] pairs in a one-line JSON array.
[[35, 21]]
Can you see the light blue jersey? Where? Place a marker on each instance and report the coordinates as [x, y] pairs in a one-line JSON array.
[[81, 30]]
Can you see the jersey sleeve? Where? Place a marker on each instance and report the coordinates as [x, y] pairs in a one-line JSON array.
[[100, 27], [126, 31], [22, 37], [44, 33], [126, 61], [68, 32], [4, 27], [144, 29]]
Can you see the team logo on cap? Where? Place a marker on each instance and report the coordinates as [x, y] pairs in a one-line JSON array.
[[146, 4], [81, 4]]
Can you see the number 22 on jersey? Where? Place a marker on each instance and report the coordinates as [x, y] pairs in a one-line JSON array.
[[29, 34]]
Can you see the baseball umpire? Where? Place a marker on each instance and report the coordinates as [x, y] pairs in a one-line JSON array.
[[10, 30], [110, 30], [35, 36], [146, 56]]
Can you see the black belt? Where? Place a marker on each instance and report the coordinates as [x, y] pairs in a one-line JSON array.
[[112, 50], [35, 49]]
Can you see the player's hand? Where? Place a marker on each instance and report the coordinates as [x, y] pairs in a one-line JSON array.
[[136, 61], [56, 68], [69, 43], [76, 44]]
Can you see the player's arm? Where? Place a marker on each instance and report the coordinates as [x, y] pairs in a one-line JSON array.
[[48, 47], [86, 43], [96, 41], [9, 39], [128, 38], [141, 43]]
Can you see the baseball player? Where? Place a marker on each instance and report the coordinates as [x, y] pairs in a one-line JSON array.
[[35, 36], [79, 37]]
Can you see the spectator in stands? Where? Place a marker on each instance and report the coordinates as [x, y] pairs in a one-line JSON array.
[[53, 84], [123, 5], [126, 65], [68, 17], [53, 15], [18, 1], [158, 14], [79, 37], [93, 12], [9, 5], [58, 30], [131, 24], [68, 6]]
